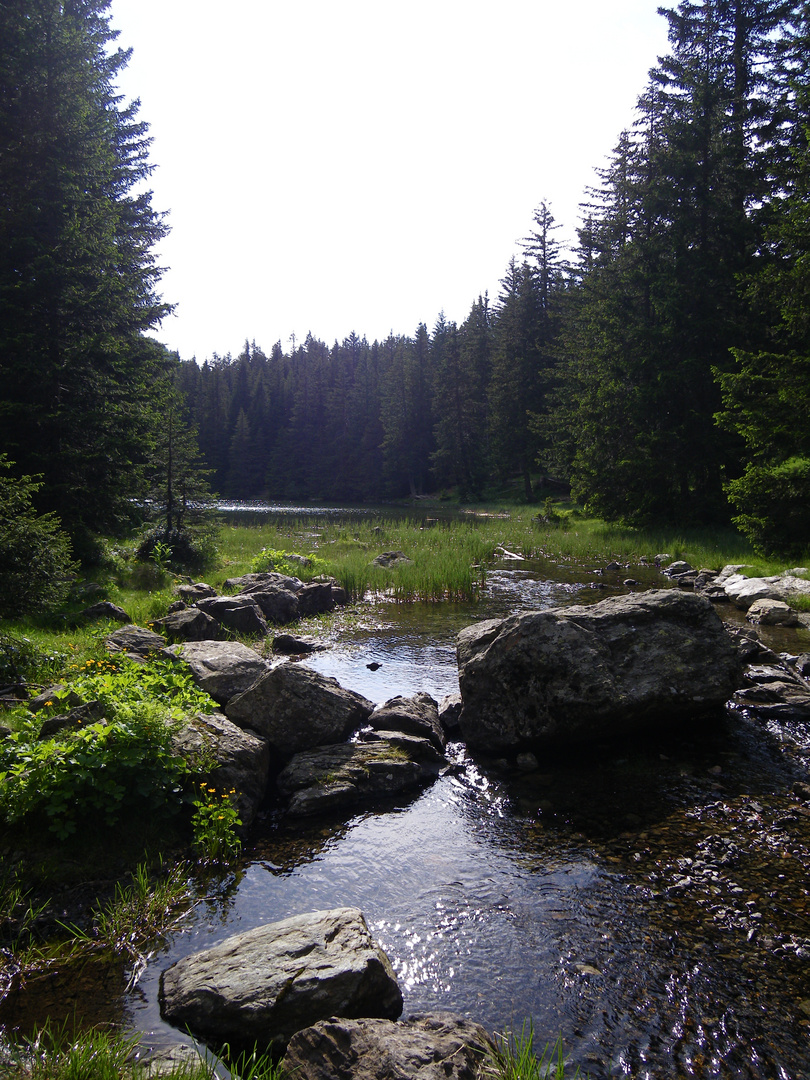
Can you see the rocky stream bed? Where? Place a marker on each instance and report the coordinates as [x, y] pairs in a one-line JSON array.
[[647, 902]]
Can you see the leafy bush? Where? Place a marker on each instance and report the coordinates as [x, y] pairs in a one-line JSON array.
[[122, 760], [189, 548], [36, 565], [125, 684], [93, 773], [278, 560], [774, 505]]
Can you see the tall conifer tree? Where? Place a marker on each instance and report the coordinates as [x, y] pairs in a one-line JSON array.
[[78, 275]]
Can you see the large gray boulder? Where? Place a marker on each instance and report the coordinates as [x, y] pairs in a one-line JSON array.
[[339, 777], [296, 708], [278, 605], [240, 760], [437, 1046], [262, 986], [417, 715], [582, 674], [222, 668]]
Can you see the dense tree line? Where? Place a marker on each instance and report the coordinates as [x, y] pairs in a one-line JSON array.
[[662, 371], [662, 368]]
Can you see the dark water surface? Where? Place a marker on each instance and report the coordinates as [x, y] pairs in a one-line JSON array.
[[649, 904]]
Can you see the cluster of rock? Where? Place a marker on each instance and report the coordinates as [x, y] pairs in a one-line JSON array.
[[766, 599], [249, 605], [318, 989]]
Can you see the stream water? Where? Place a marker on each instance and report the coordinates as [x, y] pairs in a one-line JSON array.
[[648, 904]]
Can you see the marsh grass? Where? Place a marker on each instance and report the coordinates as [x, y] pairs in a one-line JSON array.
[[62, 1054], [449, 561], [514, 1058], [139, 914]]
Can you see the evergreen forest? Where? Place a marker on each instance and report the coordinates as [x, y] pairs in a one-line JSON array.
[[660, 371]]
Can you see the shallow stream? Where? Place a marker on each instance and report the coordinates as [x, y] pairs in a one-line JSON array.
[[648, 904]]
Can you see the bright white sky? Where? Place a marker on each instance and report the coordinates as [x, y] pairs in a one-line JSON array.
[[339, 165]]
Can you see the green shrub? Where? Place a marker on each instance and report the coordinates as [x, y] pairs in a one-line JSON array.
[[92, 773], [774, 505], [190, 549], [36, 564]]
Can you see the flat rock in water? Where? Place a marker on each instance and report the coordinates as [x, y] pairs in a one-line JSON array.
[[296, 708], [341, 776], [222, 668], [241, 760], [766, 612], [292, 644], [418, 715], [436, 1046], [263, 986], [584, 674]]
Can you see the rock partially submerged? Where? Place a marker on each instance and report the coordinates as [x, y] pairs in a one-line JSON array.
[[336, 777], [296, 708], [436, 1046], [261, 987], [417, 715], [582, 674]]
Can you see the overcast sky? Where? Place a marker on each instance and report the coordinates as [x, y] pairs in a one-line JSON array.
[[340, 165]]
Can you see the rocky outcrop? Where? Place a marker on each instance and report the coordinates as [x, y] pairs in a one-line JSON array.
[[188, 624], [339, 777], [240, 760], [296, 708], [417, 715], [261, 987], [221, 668], [192, 593], [743, 591], [582, 674], [239, 613], [437, 1046]]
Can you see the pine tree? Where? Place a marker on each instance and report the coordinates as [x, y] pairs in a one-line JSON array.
[[77, 272]]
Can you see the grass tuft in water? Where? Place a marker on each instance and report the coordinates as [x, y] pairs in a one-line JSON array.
[[514, 1058]]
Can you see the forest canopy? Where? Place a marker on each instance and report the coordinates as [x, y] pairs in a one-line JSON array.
[[661, 369]]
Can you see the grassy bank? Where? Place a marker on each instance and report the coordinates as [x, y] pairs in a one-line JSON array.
[[450, 558]]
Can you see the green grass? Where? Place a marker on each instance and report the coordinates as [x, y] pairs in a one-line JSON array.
[[59, 1054], [140, 913], [450, 560], [515, 1058]]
